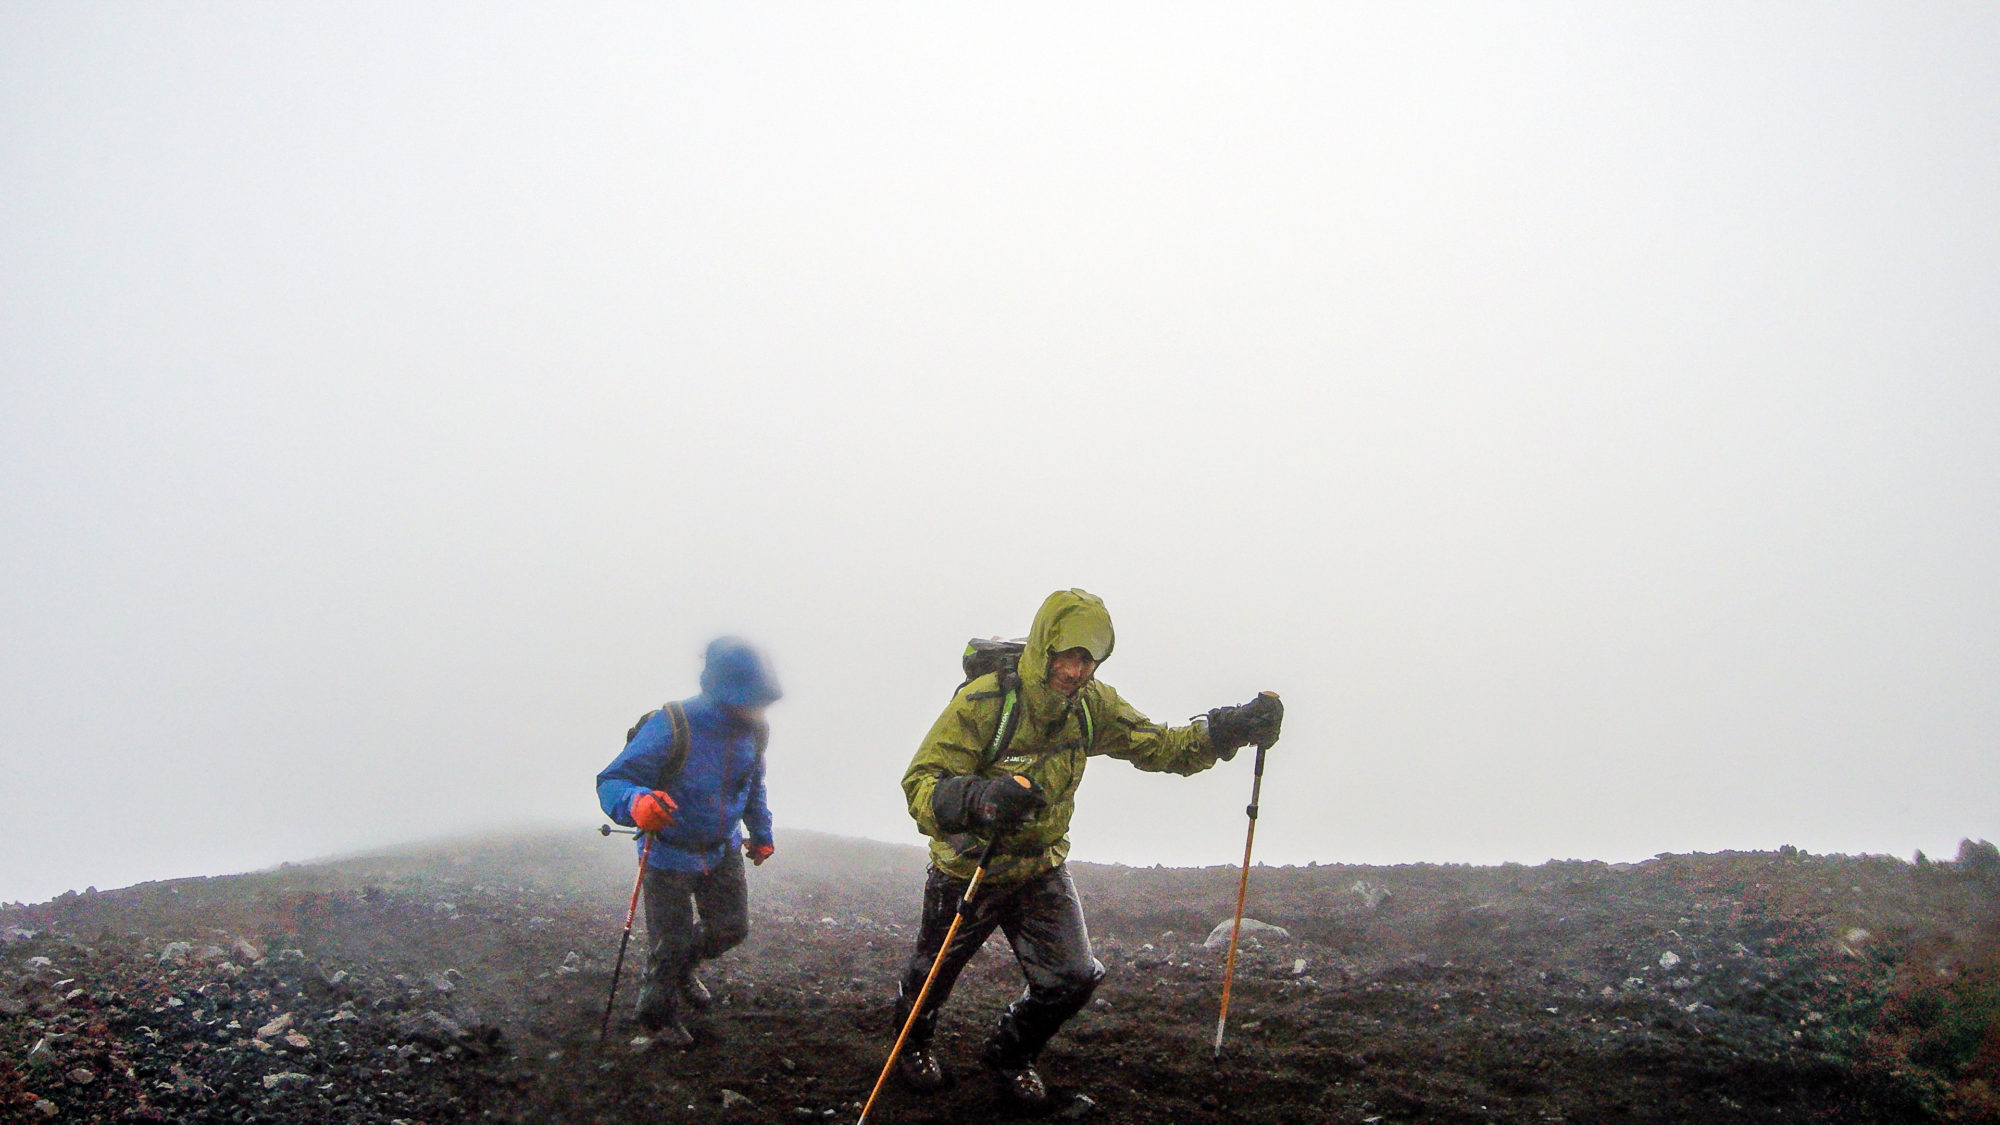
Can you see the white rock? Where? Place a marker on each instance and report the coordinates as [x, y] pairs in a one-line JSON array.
[[1219, 936], [276, 1027], [1669, 959], [176, 951]]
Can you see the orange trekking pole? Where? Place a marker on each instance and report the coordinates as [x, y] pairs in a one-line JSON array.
[[1242, 889], [631, 908], [917, 1009]]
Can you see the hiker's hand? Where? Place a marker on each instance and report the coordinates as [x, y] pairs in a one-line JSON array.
[[1003, 802], [967, 802], [653, 811], [758, 853], [1255, 722]]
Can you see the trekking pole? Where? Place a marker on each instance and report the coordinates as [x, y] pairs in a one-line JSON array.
[[631, 908], [1242, 888], [917, 1008]]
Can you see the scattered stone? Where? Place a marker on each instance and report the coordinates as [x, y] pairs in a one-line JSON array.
[[277, 1026], [1079, 1107], [47, 1108], [1372, 895], [176, 951], [733, 1100], [290, 1079], [1219, 936], [82, 1076], [571, 963], [1669, 959], [298, 1042], [244, 948]]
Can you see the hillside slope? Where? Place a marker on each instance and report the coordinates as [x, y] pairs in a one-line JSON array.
[[465, 980]]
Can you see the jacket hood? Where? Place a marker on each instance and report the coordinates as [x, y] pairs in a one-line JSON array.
[[735, 674], [1068, 619]]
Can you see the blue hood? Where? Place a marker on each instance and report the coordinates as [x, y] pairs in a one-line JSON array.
[[735, 674]]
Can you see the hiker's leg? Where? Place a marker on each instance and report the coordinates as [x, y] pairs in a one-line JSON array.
[[942, 894], [723, 897], [670, 943], [1052, 945]]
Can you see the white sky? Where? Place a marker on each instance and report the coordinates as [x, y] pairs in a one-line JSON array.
[[1586, 415]]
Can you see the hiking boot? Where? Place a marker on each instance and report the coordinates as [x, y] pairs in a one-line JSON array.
[[657, 1012], [694, 993], [1022, 1084], [671, 1035], [918, 1069]]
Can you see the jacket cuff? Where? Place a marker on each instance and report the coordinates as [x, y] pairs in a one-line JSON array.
[[952, 804]]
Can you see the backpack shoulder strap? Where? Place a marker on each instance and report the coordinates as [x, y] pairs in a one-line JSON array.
[[677, 756], [1003, 731]]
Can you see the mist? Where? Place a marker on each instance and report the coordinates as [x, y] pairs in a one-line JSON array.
[[1583, 416]]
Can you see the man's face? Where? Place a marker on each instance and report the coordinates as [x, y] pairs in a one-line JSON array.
[[1070, 670]]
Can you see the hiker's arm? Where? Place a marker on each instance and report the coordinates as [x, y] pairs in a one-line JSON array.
[[1125, 734], [951, 749], [757, 813], [634, 770]]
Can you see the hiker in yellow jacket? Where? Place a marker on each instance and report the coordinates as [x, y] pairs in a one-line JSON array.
[[1005, 759]]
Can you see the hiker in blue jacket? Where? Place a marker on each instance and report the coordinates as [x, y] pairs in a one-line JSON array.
[[697, 815]]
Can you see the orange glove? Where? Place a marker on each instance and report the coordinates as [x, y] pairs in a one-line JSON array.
[[653, 811], [758, 853]]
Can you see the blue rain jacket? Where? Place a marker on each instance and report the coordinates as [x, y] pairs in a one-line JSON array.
[[720, 791]]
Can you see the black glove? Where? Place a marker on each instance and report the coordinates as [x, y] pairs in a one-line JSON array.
[[964, 803], [1255, 722]]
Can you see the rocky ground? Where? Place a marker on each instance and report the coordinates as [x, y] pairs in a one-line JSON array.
[[465, 982]]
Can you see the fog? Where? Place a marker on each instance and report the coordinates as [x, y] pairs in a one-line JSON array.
[[1587, 416]]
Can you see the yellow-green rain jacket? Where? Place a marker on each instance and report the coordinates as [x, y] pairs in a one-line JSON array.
[[1051, 743]]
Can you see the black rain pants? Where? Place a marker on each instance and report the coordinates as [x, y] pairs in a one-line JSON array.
[[1043, 920], [678, 939]]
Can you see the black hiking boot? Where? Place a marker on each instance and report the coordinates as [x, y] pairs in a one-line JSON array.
[[694, 993], [671, 1034], [1019, 1083], [918, 1069], [656, 1013]]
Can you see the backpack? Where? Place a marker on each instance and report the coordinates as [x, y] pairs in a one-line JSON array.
[[677, 756], [1003, 658]]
